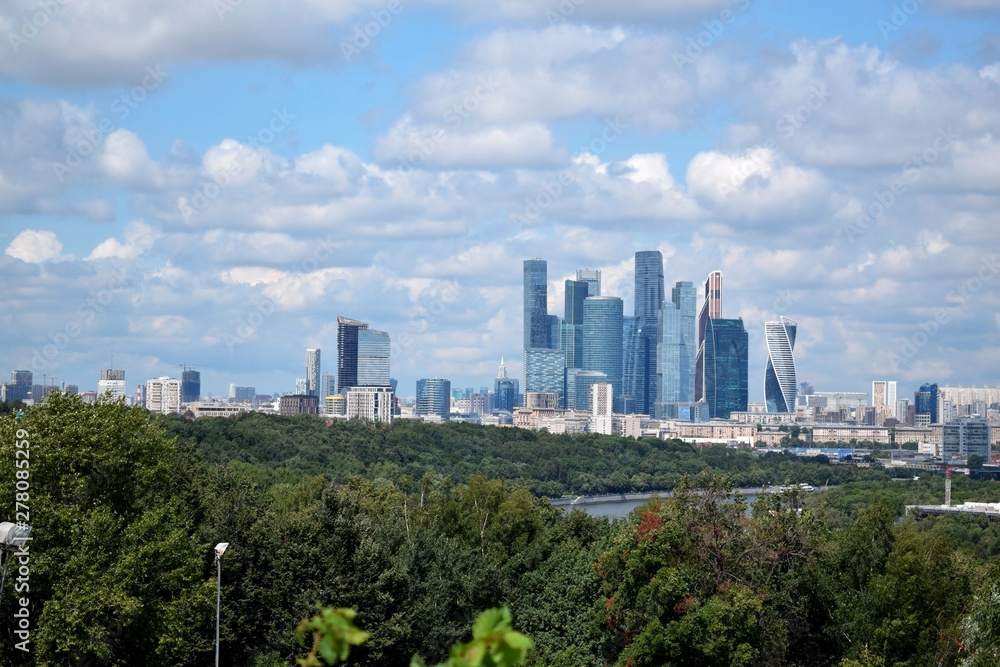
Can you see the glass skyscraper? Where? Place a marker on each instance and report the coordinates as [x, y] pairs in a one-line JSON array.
[[602, 338], [544, 369], [779, 373], [434, 397], [711, 308], [593, 279], [726, 351], [505, 390], [925, 401], [677, 349], [362, 355], [571, 327], [536, 318], [190, 385], [649, 295]]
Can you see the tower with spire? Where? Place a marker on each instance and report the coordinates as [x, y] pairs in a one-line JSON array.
[[505, 390]]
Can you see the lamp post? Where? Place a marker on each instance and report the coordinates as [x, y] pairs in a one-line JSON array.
[[11, 535], [220, 549]]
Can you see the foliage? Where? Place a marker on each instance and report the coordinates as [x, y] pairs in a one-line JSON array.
[[274, 449], [334, 633], [423, 527]]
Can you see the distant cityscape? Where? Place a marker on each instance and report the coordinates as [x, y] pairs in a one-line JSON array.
[[676, 368]]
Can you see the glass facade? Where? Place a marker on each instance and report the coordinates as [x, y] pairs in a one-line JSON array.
[[602, 338], [373, 358], [536, 319], [434, 397], [362, 356], [677, 349], [544, 370], [571, 343], [593, 279], [578, 383], [926, 401], [779, 373], [726, 359], [576, 291]]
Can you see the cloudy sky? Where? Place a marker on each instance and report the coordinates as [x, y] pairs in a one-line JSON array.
[[211, 182]]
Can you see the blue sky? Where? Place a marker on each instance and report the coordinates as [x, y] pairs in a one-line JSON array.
[[383, 184]]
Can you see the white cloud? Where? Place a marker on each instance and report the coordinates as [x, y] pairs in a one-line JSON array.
[[35, 246]]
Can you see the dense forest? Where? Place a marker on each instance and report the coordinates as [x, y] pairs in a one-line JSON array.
[[286, 448], [419, 528]]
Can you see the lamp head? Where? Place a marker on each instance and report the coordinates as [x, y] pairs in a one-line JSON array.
[[13, 534], [220, 549]]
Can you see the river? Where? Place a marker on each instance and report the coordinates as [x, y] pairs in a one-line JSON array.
[[618, 506]]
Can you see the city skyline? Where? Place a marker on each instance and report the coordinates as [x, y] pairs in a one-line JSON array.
[[216, 195]]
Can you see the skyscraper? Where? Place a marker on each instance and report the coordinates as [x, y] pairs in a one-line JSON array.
[[571, 328], [711, 308], [312, 372], [779, 373], [602, 338], [362, 355], [593, 279], [505, 390], [649, 295], [648, 285], [677, 349], [545, 369], [190, 385], [434, 397], [725, 356], [536, 317], [926, 401]]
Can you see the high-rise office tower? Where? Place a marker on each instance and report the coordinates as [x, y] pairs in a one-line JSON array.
[[779, 372], [434, 397], [555, 323], [711, 308], [632, 362], [602, 338], [926, 401], [677, 349], [312, 372], [649, 292], [190, 385], [571, 328], [536, 317], [726, 349], [545, 370], [649, 296], [505, 390], [362, 355], [593, 279]]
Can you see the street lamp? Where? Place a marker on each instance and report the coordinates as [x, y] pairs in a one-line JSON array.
[[220, 549], [11, 535]]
